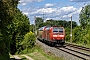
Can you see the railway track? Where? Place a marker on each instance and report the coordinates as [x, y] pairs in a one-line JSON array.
[[82, 53], [78, 47], [76, 51]]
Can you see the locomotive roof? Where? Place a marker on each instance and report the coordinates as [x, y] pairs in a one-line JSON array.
[[42, 28]]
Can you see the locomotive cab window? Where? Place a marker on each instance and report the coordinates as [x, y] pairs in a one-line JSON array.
[[58, 30], [48, 28]]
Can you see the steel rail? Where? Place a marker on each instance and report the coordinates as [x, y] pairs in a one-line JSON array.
[[78, 47], [71, 52]]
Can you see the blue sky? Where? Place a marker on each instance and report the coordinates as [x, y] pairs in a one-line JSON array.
[[52, 9]]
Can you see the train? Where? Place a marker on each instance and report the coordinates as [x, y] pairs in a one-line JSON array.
[[52, 35]]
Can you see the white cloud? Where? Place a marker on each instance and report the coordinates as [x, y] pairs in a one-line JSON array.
[[24, 2], [49, 5], [44, 10], [26, 13], [47, 19], [68, 9], [57, 12], [53, 13]]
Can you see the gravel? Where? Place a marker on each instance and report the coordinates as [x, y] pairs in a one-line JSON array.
[[57, 52]]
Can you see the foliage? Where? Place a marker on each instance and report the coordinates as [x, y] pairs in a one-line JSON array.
[[85, 16], [62, 23], [39, 54], [38, 21], [32, 28], [7, 11], [81, 36], [67, 33], [77, 36], [29, 41], [19, 27]]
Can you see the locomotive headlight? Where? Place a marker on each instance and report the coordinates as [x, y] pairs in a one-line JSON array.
[[54, 35], [61, 35]]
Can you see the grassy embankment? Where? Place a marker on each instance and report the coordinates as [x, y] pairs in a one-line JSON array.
[[38, 53]]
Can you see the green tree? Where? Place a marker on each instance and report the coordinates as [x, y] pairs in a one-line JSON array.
[[81, 36], [7, 11], [19, 27], [84, 26], [85, 16], [38, 21], [77, 35]]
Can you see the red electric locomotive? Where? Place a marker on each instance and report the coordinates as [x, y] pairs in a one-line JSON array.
[[52, 35]]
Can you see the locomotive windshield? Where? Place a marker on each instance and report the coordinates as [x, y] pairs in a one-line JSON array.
[[56, 29]]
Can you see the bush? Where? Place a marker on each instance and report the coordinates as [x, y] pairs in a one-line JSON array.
[[29, 41], [67, 38]]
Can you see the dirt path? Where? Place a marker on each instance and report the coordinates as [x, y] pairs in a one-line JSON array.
[[16, 57], [29, 58]]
